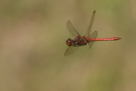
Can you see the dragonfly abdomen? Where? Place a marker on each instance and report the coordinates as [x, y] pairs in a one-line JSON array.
[[103, 39]]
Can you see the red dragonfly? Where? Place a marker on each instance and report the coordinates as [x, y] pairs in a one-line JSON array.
[[83, 40]]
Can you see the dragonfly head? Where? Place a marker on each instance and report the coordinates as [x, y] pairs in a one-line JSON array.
[[69, 42]]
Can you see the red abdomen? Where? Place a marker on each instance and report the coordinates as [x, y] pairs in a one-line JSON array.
[[103, 39]]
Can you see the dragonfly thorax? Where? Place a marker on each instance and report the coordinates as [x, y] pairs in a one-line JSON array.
[[77, 41]]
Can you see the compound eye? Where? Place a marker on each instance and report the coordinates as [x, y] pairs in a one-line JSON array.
[[68, 42]]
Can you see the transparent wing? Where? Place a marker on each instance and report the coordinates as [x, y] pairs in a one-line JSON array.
[[71, 29], [87, 33], [93, 35], [70, 50]]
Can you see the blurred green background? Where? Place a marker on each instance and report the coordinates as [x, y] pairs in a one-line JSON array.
[[32, 45]]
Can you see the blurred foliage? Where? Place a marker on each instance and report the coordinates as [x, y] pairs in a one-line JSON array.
[[32, 45]]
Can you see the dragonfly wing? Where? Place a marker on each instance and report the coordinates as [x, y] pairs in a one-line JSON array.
[[87, 33], [93, 35], [71, 29], [70, 50]]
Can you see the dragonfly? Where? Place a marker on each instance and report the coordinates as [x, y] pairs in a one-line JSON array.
[[79, 40]]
